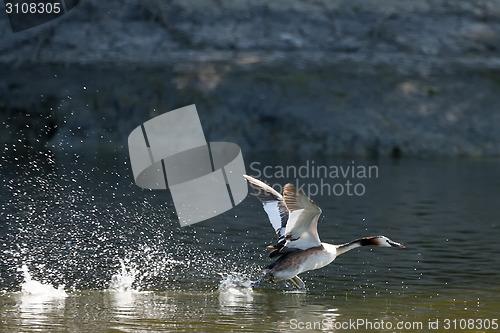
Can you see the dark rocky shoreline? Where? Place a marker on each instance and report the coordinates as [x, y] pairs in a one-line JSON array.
[[309, 77]]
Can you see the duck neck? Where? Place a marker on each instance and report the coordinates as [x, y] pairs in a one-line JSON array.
[[331, 251], [353, 244]]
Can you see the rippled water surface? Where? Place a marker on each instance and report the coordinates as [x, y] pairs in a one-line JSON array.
[[84, 249]]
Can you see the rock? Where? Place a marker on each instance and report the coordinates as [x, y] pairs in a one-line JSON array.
[[406, 78]]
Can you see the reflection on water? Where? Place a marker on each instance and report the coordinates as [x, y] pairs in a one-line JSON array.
[[39, 312], [39, 305], [235, 292], [128, 266], [181, 311]]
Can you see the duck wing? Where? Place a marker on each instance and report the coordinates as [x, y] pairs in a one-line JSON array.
[[274, 206], [301, 230]]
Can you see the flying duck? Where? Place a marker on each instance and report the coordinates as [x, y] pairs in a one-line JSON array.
[[295, 218]]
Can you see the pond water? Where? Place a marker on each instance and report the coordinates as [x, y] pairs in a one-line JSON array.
[[84, 249]]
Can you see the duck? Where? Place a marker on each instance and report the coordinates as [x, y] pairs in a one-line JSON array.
[[294, 217]]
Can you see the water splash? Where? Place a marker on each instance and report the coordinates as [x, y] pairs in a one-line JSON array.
[[236, 284], [124, 279], [36, 288], [70, 216], [235, 290]]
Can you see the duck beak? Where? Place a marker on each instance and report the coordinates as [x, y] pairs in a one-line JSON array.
[[394, 244]]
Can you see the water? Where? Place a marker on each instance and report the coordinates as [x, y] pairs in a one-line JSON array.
[[84, 249]]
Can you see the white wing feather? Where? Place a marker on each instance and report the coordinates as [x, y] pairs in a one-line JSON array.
[[273, 213], [274, 206]]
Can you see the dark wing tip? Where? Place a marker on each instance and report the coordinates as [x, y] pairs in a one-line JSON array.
[[262, 190], [276, 249]]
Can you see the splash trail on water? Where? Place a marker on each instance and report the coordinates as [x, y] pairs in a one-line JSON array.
[[79, 218], [36, 288], [123, 280]]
